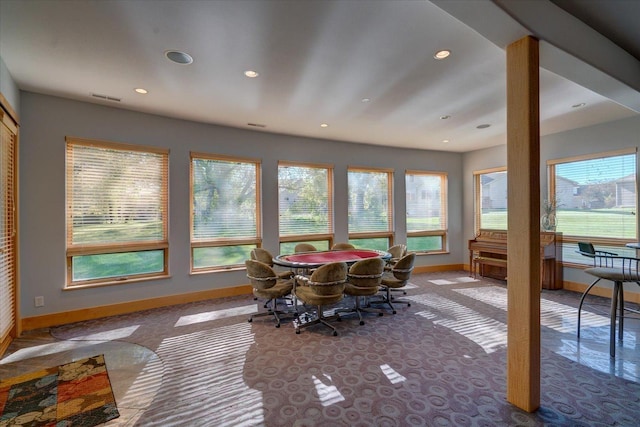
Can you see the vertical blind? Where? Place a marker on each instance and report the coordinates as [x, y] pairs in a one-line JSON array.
[[116, 194], [7, 228], [304, 200], [369, 209], [225, 199]]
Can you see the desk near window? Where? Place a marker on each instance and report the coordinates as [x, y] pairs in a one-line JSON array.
[[488, 257]]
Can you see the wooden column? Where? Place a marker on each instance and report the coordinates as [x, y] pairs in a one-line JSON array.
[[523, 282]]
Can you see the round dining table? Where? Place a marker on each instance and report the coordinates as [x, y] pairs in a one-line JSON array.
[[315, 259]]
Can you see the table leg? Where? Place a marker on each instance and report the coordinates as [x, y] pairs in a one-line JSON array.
[[613, 314]]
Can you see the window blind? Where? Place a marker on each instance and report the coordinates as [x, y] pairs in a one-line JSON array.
[[369, 193]]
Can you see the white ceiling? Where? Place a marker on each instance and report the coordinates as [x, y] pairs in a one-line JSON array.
[[317, 60]]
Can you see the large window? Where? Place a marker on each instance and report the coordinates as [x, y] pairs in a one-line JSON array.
[[305, 200], [596, 200], [225, 211], [116, 212], [370, 209], [426, 211], [490, 199]]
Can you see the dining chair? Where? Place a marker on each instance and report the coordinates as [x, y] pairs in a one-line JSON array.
[[342, 246], [264, 256], [266, 284], [363, 280], [618, 269], [304, 247], [324, 287], [396, 279]]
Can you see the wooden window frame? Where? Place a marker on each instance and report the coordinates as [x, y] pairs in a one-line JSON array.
[[73, 250], [298, 238], [444, 200], [389, 234], [222, 242]]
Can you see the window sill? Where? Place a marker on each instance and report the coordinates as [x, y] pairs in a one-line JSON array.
[[112, 282]]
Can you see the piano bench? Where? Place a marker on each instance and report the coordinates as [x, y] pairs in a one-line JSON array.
[[483, 260]]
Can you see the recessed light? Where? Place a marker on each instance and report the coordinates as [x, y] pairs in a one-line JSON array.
[[445, 140], [441, 54], [141, 91], [365, 100], [582, 104], [251, 74], [179, 57], [483, 126], [445, 117], [324, 125]]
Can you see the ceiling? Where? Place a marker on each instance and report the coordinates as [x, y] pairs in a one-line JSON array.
[[365, 68]]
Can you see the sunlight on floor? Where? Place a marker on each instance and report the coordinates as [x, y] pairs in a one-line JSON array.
[[217, 314], [488, 333], [392, 375], [44, 350], [328, 394]]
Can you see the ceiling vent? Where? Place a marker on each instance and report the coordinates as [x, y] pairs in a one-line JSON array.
[[257, 125], [106, 98]]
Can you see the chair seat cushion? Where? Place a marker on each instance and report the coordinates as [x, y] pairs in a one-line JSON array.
[[279, 290], [389, 280], [615, 274], [309, 296]]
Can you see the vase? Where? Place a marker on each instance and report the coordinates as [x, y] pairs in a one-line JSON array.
[[548, 222]]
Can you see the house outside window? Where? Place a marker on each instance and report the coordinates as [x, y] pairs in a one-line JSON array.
[[490, 199]]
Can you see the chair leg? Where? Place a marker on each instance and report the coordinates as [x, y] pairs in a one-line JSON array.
[[319, 319], [613, 314], [584, 294], [271, 311], [358, 309]]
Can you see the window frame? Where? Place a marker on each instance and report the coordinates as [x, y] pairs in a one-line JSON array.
[[477, 204], [389, 234], [444, 200], [223, 242], [301, 238], [569, 242], [74, 250]]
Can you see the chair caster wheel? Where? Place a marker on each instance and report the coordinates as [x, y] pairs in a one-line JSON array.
[[339, 319], [361, 322], [408, 305], [298, 332], [277, 325], [394, 312], [335, 333], [250, 320], [380, 314]]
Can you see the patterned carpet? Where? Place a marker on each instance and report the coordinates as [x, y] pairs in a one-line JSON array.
[[440, 362]]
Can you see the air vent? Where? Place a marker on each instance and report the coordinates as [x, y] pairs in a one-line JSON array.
[[106, 98], [257, 125]]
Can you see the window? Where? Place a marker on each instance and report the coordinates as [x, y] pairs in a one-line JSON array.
[[426, 211], [596, 200], [370, 209], [305, 201], [116, 212], [490, 199], [225, 211]]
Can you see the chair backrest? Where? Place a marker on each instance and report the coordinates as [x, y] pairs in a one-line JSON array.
[[262, 276], [366, 273], [262, 255], [304, 247], [329, 279], [397, 251], [403, 268], [586, 249], [339, 246]]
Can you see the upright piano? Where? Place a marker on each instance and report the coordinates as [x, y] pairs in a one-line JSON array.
[[488, 255]]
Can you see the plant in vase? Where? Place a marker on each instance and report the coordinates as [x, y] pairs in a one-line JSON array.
[[548, 218]]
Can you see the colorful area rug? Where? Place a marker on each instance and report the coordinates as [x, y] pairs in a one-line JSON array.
[[75, 394]]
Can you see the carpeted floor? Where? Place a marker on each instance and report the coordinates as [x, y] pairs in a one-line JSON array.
[[440, 362]]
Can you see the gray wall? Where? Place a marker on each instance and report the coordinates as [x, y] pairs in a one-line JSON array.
[[8, 87], [620, 134], [47, 120]]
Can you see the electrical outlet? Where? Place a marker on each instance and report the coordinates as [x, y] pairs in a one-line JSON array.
[[39, 301]]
